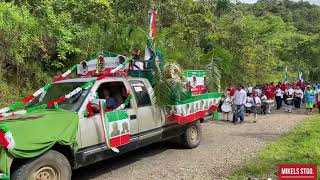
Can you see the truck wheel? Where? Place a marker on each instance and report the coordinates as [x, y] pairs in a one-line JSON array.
[[192, 135], [50, 166]]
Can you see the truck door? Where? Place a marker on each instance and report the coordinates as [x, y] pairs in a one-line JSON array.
[[149, 125], [91, 129]]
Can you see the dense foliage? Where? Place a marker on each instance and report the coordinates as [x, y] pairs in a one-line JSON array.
[[245, 43]]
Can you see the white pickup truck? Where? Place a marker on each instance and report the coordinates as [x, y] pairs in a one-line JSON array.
[[148, 124]]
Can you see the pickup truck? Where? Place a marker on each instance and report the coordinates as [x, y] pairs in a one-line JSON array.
[[57, 157]]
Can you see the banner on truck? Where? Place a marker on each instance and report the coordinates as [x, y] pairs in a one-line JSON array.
[[197, 80], [88, 68]]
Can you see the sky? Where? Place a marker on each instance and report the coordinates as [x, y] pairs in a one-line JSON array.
[[311, 1]]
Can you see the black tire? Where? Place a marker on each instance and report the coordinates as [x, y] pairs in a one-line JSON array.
[[192, 136], [49, 164]]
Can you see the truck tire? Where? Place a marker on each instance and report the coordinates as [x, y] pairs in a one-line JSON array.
[[50, 166], [192, 136]]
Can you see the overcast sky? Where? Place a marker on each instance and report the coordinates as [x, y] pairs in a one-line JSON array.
[[312, 1]]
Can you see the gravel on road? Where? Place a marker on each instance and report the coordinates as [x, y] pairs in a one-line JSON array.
[[224, 147]]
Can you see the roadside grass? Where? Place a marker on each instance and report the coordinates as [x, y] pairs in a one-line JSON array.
[[300, 146]]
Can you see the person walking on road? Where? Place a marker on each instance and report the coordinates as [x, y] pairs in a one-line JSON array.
[[239, 100], [318, 97], [298, 96], [309, 93], [279, 97]]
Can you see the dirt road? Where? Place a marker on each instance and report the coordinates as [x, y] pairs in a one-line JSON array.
[[224, 146]]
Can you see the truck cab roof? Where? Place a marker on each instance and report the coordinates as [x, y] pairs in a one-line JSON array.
[[94, 78]]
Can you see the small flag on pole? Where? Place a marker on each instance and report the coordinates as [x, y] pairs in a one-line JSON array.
[[152, 33], [300, 78], [285, 79]]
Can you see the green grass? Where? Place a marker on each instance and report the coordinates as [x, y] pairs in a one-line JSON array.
[[300, 146]]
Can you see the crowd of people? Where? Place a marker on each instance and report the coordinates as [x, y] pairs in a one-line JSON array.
[[247, 100]]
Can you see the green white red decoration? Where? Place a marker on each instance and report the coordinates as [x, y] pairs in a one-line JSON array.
[[66, 74], [4, 176], [110, 64], [149, 52], [193, 108], [116, 127], [6, 139], [8, 111], [153, 24]]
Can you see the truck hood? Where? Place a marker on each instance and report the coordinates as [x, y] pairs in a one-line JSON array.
[[36, 133]]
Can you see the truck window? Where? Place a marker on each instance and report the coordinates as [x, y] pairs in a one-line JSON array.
[[114, 93], [59, 89], [141, 93]]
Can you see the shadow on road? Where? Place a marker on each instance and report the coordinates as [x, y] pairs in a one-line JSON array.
[[106, 166]]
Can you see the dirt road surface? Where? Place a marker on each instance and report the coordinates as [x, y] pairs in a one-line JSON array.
[[223, 148]]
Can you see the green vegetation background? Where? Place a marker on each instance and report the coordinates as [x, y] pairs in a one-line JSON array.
[[301, 146], [246, 43]]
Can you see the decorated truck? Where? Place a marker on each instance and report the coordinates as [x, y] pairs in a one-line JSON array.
[[100, 108]]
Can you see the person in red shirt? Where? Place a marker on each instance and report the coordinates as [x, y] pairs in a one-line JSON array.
[[273, 89], [269, 93], [283, 86], [232, 90], [264, 88]]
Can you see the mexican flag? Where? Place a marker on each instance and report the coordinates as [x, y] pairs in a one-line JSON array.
[[152, 33], [193, 108], [300, 78], [116, 126], [153, 24]]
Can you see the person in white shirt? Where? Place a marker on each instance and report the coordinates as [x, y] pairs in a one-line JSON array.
[[289, 94], [258, 91], [248, 105], [298, 96], [240, 98], [256, 105], [279, 97], [266, 108], [249, 90], [228, 102]]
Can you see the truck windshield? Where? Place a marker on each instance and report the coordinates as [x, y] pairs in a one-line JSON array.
[[60, 89]]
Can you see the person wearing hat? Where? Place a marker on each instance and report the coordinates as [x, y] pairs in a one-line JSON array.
[[309, 97]]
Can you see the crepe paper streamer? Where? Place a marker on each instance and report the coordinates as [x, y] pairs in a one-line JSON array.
[[59, 100], [36, 108], [117, 68], [27, 99], [6, 139], [88, 84], [74, 92], [16, 106], [4, 177], [65, 74], [3, 110], [56, 106], [89, 111], [21, 112], [127, 101]]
